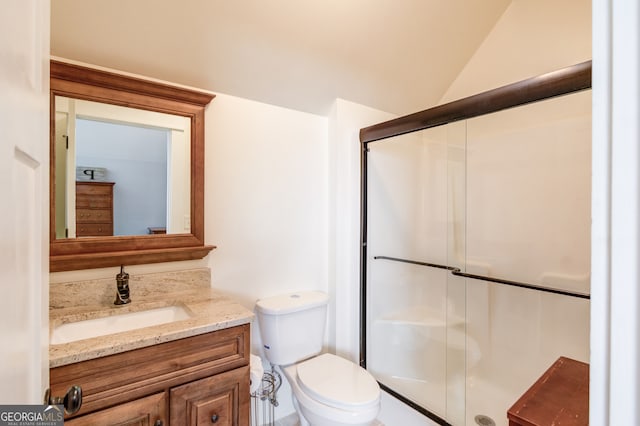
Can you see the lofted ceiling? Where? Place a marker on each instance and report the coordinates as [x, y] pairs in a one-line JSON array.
[[398, 56]]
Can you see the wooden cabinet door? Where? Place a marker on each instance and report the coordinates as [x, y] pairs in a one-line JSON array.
[[221, 400], [148, 411]]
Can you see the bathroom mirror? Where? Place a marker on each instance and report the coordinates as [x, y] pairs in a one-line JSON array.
[[143, 155], [127, 170]]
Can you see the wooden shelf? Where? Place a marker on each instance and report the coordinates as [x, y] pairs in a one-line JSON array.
[[560, 396]]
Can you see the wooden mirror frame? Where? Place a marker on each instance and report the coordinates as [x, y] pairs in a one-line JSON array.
[[96, 85]]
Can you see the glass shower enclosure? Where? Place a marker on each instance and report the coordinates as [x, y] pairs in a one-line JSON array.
[[476, 250]]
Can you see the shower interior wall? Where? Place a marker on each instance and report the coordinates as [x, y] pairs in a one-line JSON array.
[[505, 195]]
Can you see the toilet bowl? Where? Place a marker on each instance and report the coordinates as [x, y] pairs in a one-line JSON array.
[[327, 390]]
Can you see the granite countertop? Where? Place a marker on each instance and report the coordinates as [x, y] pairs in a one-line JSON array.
[[209, 310]]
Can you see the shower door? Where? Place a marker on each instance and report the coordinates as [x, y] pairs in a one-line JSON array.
[[415, 310], [477, 266]]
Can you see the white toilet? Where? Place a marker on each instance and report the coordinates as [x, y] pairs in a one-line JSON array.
[[327, 390]]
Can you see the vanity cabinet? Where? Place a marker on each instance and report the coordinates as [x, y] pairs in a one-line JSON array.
[[148, 411], [94, 209], [197, 380], [207, 401]]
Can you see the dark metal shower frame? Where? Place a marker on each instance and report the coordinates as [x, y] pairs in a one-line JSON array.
[[557, 83]]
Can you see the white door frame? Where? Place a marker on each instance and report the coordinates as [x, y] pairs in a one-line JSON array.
[[615, 258]]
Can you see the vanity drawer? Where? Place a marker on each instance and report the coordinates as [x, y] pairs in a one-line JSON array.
[[151, 410], [115, 379]]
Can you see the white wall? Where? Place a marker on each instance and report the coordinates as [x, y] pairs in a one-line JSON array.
[[135, 158], [531, 38], [265, 198], [345, 121]]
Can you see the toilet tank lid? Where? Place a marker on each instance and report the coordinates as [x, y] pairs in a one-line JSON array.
[[291, 302]]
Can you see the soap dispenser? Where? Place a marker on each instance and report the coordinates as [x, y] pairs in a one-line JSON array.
[[122, 284]]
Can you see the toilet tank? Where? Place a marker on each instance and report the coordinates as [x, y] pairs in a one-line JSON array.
[[292, 325]]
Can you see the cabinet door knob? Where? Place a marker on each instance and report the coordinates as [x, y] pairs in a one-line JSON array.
[[214, 418], [158, 423], [71, 401]]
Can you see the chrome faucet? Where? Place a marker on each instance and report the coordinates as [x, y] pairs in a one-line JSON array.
[[122, 284]]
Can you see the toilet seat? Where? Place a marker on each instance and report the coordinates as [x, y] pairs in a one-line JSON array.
[[338, 383]]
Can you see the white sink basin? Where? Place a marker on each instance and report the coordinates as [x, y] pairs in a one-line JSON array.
[[70, 332]]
